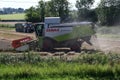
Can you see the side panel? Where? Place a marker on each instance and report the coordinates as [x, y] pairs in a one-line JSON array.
[[58, 33], [66, 33], [82, 31]]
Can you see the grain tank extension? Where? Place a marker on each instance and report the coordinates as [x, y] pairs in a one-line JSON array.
[[53, 34]]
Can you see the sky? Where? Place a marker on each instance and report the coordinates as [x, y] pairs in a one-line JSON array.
[[28, 3]]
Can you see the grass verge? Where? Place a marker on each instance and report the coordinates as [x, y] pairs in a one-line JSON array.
[[29, 66], [6, 27], [18, 16]]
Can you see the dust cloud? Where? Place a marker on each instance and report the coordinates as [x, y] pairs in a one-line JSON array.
[[107, 39]]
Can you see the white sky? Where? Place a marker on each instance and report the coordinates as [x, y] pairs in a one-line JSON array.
[[28, 3]]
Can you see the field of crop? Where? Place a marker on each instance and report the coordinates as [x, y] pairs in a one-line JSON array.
[[7, 27], [18, 16], [31, 66]]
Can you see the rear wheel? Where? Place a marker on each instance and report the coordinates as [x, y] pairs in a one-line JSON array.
[[76, 47], [47, 45]]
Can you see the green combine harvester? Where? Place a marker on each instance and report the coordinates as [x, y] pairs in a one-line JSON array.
[[52, 34]]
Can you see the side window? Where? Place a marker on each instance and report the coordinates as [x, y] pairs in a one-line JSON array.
[[39, 29]]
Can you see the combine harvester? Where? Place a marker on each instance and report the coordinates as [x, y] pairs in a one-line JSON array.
[[53, 34]]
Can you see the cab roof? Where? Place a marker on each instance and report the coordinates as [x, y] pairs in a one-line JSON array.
[[71, 24]]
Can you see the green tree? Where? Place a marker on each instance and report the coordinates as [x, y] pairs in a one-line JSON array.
[[41, 9], [32, 15], [48, 12], [83, 7], [36, 14], [60, 8], [84, 4], [54, 8], [109, 12], [92, 15]]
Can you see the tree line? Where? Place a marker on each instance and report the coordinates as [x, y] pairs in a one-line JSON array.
[[11, 10], [107, 12]]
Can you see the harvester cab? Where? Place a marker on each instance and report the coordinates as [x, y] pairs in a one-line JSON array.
[[39, 29], [52, 34]]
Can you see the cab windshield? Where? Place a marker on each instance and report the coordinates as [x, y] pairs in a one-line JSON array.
[[39, 29]]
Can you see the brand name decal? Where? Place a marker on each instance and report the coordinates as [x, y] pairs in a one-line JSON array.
[[52, 30]]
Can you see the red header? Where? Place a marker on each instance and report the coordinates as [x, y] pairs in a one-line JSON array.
[[17, 43]]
